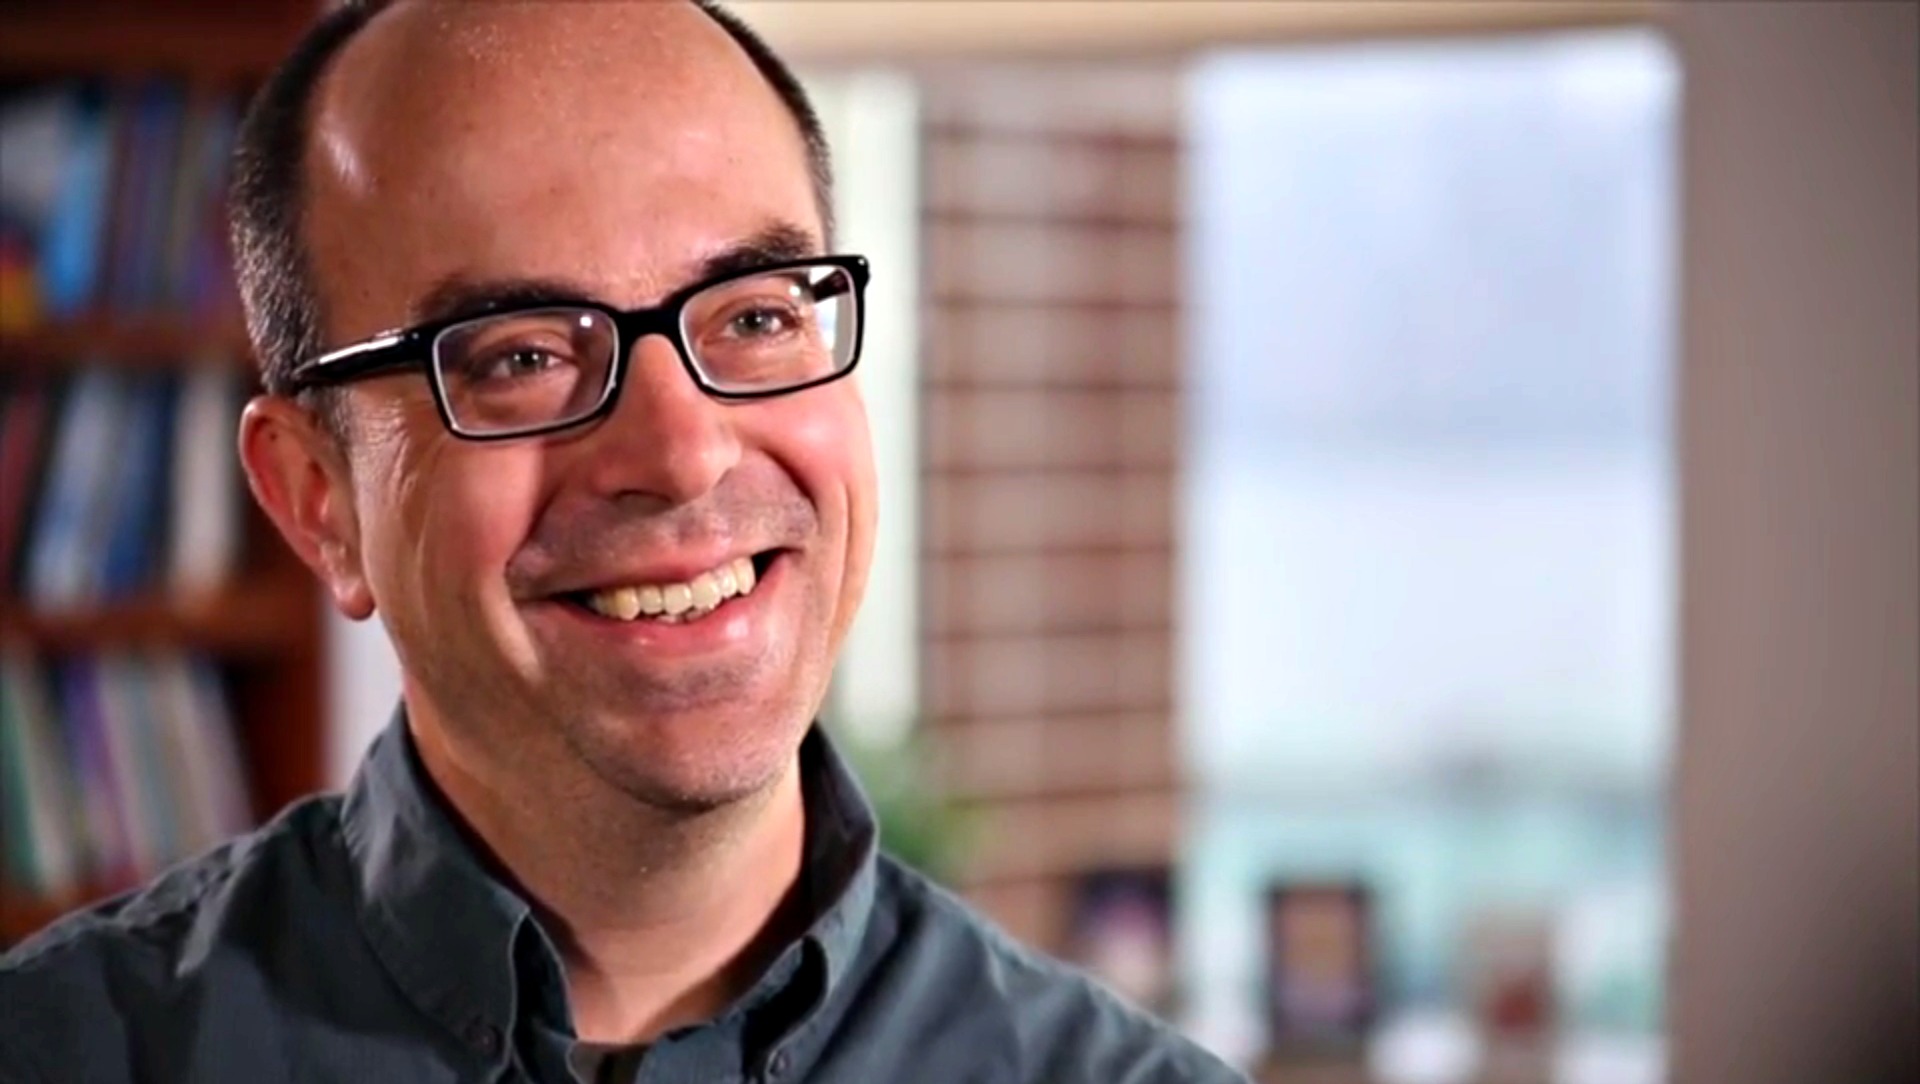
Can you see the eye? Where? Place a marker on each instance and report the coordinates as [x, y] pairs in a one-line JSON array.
[[513, 362], [762, 321], [523, 361]]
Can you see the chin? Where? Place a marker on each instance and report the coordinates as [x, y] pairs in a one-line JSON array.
[[693, 761]]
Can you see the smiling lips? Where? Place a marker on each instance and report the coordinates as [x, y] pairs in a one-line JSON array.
[[675, 602]]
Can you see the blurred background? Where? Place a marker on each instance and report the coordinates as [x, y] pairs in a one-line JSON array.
[[1400, 545]]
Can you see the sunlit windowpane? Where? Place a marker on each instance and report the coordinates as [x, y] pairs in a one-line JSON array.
[[1428, 560]]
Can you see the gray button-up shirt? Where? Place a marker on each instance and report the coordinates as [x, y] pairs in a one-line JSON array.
[[357, 938]]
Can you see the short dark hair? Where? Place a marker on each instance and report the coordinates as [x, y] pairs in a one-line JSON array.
[[266, 194]]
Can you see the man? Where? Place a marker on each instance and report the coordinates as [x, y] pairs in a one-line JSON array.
[[611, 496]]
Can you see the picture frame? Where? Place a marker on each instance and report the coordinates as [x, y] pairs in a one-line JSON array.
[[1120, 931], [1321, 990]]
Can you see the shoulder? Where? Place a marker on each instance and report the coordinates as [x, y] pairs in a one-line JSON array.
[[91, 976], [158, 916], [1063, 1025]]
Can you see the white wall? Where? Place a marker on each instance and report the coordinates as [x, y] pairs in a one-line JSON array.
[[888, 30], [1797, 959], [871, 117], [363, 686]]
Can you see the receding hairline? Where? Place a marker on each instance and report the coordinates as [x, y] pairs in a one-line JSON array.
[[497, 48], [469, 29], [272, 179], [777, 237]]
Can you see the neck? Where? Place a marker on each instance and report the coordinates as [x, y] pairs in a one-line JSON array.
[[661, 917]]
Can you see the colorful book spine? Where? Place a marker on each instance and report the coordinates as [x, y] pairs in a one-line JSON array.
[[45, 848], [220, 742], [211, 292], [108, 831], [57, 575], [26, 414], [140, 491], [115, 484], [206, 483], [113, 767], [135, 218], [74, 239]]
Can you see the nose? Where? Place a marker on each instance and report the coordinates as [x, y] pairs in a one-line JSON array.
[[664, 438]]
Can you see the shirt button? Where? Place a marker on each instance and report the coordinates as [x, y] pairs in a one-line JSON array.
[[485, 1038]]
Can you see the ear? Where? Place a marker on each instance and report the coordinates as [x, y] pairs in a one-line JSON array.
[[298, 473]]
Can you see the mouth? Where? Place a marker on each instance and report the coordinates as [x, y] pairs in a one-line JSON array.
[[678, 603]]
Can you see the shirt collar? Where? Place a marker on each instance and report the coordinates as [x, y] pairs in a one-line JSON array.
[[447, 929], [841, 850]]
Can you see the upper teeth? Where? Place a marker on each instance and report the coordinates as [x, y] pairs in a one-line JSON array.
[[675, 600]]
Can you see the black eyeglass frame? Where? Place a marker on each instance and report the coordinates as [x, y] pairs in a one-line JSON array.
[[415, 347]]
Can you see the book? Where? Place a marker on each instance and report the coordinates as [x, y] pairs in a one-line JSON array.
[[113, 195], [70, 505], [73, 244], [109, 847], [101, 499], [189, 697], [232, 803], [210, 289], [25, 434], [128, 163], [52, 855], [19, 856], [137, 794], [185, 770], [132, 483], [113, 767], [162, 116], [36, 125], [186, 197], [139, 490], [205, 484]]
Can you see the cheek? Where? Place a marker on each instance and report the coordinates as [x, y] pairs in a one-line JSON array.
[[821, 439], [447, 523], [478, 510]]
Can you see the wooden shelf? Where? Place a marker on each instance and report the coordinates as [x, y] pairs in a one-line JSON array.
[[217, 42], [22, 915], [135, 343], [265, 630], [255, 618]]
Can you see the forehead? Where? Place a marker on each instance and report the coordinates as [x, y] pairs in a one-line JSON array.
[[617, 145]]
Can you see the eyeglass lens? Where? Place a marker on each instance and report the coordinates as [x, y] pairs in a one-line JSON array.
[[545, 367]]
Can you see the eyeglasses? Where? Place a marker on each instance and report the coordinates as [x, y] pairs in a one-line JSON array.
[[524, 370]]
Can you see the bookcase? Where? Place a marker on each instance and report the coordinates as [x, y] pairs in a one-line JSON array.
[[161, 651]]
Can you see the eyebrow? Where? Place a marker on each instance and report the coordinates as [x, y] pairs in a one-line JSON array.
[[458, 295]]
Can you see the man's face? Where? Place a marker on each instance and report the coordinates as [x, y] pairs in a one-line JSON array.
[[617, 151]]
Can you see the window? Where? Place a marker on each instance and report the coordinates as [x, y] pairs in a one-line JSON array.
[[1427, 593]]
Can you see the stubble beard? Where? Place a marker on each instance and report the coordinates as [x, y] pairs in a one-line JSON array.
[[704, 738]]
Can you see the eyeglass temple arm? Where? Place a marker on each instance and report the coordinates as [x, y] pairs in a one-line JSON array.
[[831, 287], [397, 352]]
